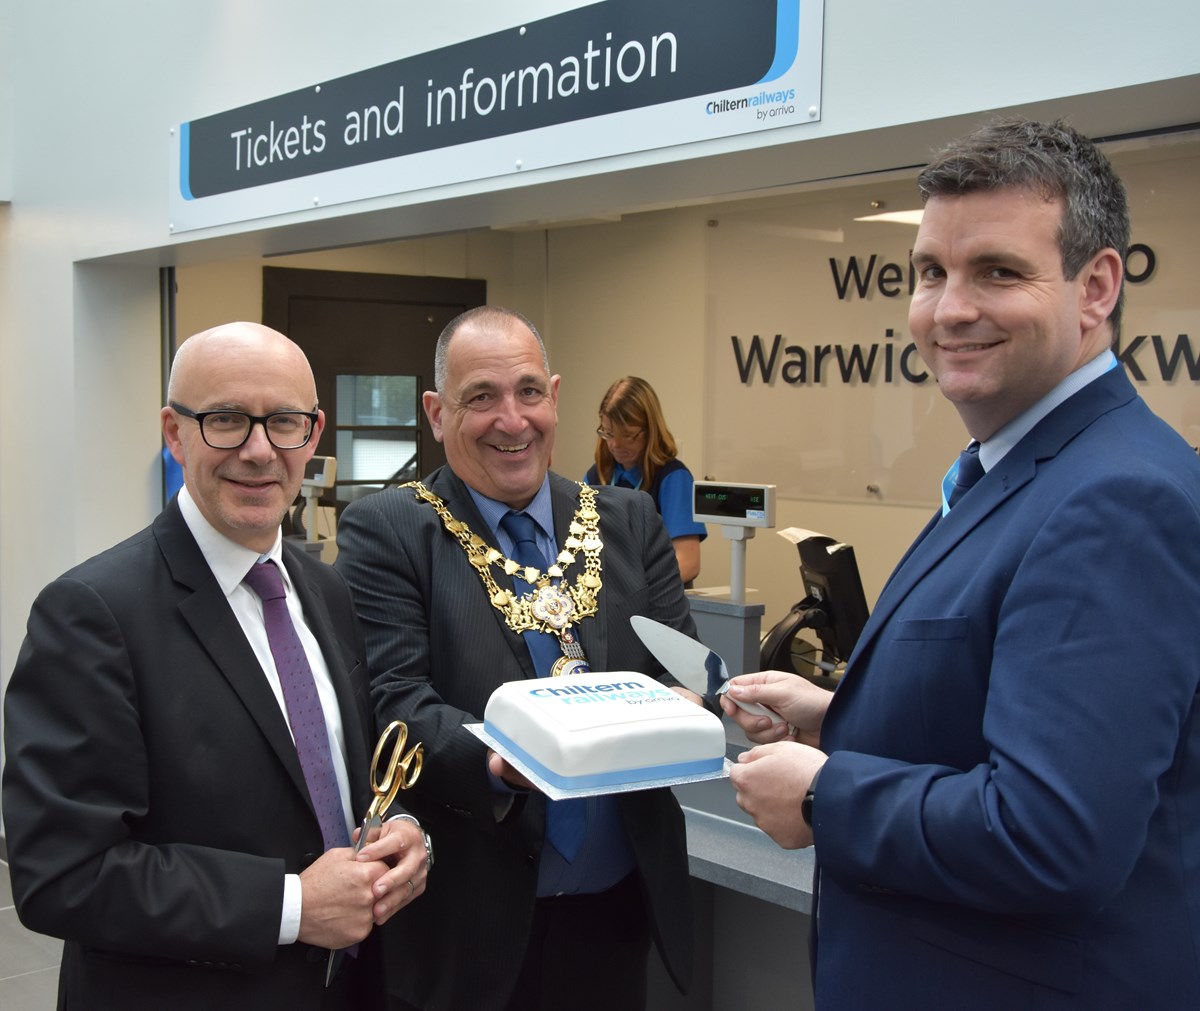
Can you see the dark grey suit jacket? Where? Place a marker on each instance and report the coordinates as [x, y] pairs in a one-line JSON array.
[[440, 649], [153, 800]]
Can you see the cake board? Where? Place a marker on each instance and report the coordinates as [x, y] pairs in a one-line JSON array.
[[560, 793]]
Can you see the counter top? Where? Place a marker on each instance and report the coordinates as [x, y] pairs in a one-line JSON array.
[[726, 848]]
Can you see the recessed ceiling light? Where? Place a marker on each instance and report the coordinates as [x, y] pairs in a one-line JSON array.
[[899, 217]]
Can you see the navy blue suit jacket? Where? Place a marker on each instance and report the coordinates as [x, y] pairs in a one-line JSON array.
[[1010, 814]]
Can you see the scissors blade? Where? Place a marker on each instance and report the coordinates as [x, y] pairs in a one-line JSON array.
[[336, 953], [400, 776], [369, 823], [335, 960]]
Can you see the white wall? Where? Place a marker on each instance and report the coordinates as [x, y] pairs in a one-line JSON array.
[[96, 85], [6, 102]]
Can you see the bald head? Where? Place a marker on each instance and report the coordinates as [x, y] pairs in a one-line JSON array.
[[240, 368], [232, 341]]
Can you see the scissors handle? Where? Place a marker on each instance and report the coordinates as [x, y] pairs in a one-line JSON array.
[[401, 771]]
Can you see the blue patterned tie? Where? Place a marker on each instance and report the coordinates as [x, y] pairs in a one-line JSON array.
[[966, 473], [304, 711], [566, 820]]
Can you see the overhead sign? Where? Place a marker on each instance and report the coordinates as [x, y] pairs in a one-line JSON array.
[[607, 79]]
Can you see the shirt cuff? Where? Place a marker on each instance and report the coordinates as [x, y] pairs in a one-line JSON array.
[[289, 923]]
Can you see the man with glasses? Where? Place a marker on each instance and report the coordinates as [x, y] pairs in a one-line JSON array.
[[188, 731]]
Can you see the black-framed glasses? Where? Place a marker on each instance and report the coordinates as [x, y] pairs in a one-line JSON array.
[[231, 429]]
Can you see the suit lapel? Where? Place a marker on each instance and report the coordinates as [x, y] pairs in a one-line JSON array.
[[204, 607], [1019, 466]]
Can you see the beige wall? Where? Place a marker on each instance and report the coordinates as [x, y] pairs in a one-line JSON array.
[[612, 298], [631, 297], [637, 295]]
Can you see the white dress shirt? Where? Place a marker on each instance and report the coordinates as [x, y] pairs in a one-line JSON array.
[[229, 563]]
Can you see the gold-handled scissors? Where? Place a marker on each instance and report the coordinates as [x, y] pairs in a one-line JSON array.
[[400, 773]]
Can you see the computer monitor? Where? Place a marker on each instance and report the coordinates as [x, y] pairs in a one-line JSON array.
[[834, 607], [320, 472]]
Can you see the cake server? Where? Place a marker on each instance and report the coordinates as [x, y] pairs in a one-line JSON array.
[[698, 668]]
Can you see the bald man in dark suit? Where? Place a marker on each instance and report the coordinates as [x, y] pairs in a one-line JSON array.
[[157, 813]]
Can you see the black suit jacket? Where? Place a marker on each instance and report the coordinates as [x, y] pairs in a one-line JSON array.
[[153, 799], [440, 649]]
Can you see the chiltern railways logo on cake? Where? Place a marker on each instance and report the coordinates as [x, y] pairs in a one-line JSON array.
[[636, 693]]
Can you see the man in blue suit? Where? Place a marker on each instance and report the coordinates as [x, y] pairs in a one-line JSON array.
[[1004, 791]]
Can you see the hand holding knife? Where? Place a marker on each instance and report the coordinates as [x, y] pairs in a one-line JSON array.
[[694, 665]]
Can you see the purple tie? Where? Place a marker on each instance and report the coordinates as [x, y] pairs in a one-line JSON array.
[[303, 704]]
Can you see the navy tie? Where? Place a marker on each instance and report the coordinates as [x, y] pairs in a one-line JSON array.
[[566, 820], [969, 471], [304, 712]]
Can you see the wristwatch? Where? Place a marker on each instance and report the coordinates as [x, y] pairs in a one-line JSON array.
[[424, 836], [807, 803]]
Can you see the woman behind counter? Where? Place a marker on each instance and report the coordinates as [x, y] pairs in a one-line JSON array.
[[635, 449]]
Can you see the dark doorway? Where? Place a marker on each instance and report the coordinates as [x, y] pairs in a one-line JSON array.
[[370, 339]]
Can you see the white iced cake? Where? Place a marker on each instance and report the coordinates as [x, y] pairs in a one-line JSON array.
[[582, 731]]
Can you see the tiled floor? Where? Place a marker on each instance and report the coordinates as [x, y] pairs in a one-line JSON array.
[[28, 961]]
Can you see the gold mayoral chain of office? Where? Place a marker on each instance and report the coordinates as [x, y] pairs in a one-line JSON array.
[[547, 607]]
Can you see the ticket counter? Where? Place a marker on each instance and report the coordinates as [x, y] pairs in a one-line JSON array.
[[752, 904]]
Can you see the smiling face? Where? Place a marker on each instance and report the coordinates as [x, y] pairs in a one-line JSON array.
[[245, 492], [993, 316], [498, 410]]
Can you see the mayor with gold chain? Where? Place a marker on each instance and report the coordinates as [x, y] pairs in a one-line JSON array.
[[494, 569]]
